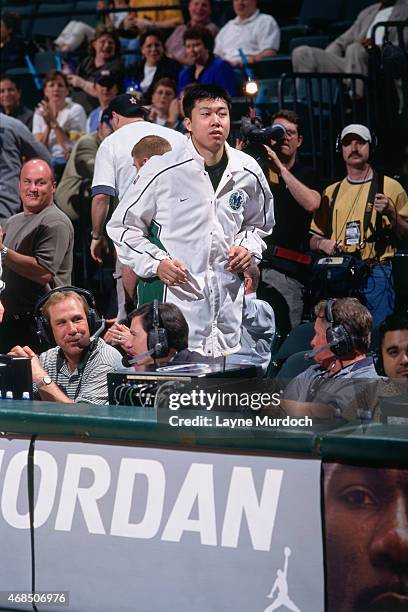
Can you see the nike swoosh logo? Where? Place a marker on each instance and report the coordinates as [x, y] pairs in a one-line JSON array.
[[183, 199]]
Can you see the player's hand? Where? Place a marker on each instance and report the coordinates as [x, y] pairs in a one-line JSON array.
[[239, 259], [98, 248], [172, 272], [381, 203]]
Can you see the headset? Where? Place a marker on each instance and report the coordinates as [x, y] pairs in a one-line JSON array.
[[337, 336], [373, 144], [157, 339], [44, 330]]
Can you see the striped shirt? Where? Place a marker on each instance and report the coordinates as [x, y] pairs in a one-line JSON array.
[[88, 382]]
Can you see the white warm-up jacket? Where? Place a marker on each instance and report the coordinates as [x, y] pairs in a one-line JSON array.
[[174, 197]]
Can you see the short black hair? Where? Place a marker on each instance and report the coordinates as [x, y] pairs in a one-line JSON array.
[[394, 322], [12, 79], [204, 92], [156, 32], [170, 318], [200, 33]]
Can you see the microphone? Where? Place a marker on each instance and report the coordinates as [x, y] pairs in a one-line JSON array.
[[126, 362], [94, 336], [311, 354]]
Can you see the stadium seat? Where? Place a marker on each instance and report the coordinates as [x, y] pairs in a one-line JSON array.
[[26, 12], [313, 11], [294, 365], [311, 41], [297, 340], [272, 67], [45, 61], [87, 5], [51, 19]]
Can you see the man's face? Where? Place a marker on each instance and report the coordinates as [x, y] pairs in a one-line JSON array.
[[394, 350], [196, 51], [290, 143], [209, 124], [36, 186], [69, 325], [10, 96], [105, 93], [244, 8], [319, 340], [138, 344], [200, 10], [356, 151], [366, 515]]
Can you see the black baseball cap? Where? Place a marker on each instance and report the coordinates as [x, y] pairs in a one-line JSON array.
[[107, 77], [126, 105]]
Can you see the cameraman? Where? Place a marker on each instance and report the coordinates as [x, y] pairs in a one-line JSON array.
[[362, 216], [296, 198]]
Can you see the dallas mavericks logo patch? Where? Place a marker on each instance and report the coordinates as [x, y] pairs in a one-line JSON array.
[[236, 199]]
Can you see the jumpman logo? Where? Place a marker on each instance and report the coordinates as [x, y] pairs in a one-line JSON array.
[[281, 585]]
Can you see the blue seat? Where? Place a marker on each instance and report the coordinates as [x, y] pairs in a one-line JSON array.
[[87, 5], [44, 61], [51, 19], [297, 340], [272, 67], [320, 10], [294, 365]]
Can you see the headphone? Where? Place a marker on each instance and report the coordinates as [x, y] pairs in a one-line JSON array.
[[337, 336], [157, 339], [44, 330], [373, 144]]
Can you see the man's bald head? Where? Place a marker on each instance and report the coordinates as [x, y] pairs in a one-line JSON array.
[[37, 186]]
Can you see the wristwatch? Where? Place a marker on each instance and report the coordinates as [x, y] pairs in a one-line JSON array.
[[96, 236], [45, 381]]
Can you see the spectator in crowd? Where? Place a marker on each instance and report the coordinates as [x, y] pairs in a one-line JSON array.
[[74, 371], [164, 19], [343, 223], [206, 68], [257, 327], [164, 91], [340, 346], [12, 48], [10, 101], [153, 66], [18, 144], [365, 514], [58, 122], [200, 14], [126, 24], [104, 54], [107, 85], [296, 198], [256, 33], [348, 53], [36, 253], [114, 170], [79, 169], [207, 205]]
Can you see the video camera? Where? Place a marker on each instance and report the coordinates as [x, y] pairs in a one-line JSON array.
[[255, 135], [254, 132]]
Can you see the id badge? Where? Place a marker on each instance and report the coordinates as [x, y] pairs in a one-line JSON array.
[[352, 233]]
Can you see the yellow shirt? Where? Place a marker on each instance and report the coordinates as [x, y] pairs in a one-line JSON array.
[[158, 16], [347, 223]]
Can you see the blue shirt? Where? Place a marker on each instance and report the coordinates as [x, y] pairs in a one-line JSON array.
[[216, 72]]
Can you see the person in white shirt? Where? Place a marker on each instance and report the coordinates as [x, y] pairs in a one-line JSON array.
[[258, 325], [257, 34], [193, 222], [348, 53], [58, 122]]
